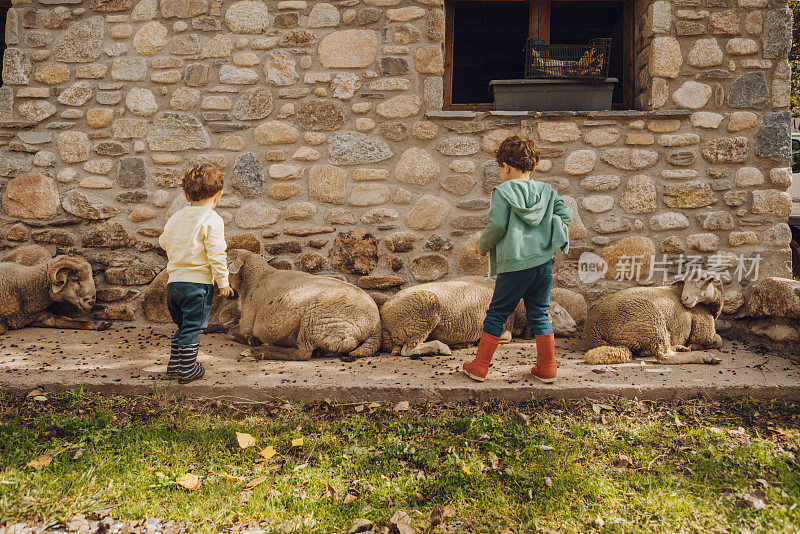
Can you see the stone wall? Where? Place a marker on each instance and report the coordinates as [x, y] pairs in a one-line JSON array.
[[326, 118]]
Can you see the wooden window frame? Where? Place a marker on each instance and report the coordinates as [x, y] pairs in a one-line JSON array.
[[539, 27]]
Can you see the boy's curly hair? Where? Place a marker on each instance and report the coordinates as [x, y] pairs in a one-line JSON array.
[[202, 180], [518, 151]]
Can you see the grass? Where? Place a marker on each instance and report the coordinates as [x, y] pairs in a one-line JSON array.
[[582, 466]]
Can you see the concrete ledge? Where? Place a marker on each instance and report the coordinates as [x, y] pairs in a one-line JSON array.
[[131, 361]]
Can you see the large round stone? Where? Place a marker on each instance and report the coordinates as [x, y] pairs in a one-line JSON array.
[[248, 178], [87, 207], [350, 148], [31, 196], [248, 17], [429, 267], [416, 166], [150, 39], [256, 215], [76, 94], [666, 58], [428, 213], [639, 195], [580, 162], [275, 133], [173, 131], [399, 107], [469, 261], [323, 15], [327, 183], [183, 9], [630, 258], [705, 53], [141, 101], [348, 49], [253, 104], [629, 159], [692, 95], [73, 146]]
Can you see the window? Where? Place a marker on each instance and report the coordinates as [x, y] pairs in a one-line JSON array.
[[485, 40]]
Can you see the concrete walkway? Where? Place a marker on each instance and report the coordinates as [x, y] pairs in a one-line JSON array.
[[131, 360]]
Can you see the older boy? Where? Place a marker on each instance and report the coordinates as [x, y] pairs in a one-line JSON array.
[[528, 222], [194, 238]]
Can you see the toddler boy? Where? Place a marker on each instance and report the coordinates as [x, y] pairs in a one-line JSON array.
[[528, 222], [194, 238]]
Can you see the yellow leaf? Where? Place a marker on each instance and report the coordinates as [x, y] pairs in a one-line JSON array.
[[298, 442], [189, 481], [268, 453], [41, 461], [255, 482], [231, 478], [245, 440], [466, 469]]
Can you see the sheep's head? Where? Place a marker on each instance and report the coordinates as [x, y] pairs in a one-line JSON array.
[[562, 321], [236, 259], [71, 281], [702, 287]]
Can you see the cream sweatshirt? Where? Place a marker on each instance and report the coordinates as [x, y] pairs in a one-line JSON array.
[[194, 238]]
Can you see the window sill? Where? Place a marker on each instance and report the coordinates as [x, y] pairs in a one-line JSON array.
[[609, 114]]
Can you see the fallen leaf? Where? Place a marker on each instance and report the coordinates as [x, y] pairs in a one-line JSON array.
[[255, 482], [77, 454], [329, 493], [297, 442], [350, 498], [548, 482], [448, 511], [245, 440], [599, 521], [359, 409], [466, 469], [189, 481], [268, 453], [757, 500], [231, 478], [41, 461], [402, 406], [299, 467], [373, 405], [402, 521]]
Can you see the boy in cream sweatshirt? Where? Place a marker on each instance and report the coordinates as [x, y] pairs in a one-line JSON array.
[[194, 238]]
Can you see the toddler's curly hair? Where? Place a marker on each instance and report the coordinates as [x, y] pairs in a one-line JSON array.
[[202, 180], [518, 151]]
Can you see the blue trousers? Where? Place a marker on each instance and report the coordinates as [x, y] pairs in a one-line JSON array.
[[533, 287], [189, 306]]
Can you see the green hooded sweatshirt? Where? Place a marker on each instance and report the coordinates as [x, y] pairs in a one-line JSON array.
[[528, 223]]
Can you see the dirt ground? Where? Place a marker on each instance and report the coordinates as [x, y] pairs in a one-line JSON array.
[[132, 360]]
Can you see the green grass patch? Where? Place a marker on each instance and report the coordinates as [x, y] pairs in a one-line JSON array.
[[582, 466]]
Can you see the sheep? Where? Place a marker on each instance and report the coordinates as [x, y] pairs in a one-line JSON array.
[[31, 282], [449, 313], [657, 321], [296, 309]]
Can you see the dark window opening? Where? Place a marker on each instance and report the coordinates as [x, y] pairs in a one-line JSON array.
[[489, 44], [572, 23], [795, 155]]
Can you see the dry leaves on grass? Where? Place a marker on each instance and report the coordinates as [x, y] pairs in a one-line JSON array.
[[245, 440], [231, 478], [268, 452], [40, 462], [255, 482], [297, 442], [403, 522], [189, 481]]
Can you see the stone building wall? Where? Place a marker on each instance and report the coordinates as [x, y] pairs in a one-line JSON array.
[[327, 119]]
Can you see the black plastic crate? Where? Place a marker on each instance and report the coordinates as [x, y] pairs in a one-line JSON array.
[[590, 61]]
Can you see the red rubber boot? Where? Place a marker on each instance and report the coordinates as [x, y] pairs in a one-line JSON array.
[[479, 367], [545, 368]]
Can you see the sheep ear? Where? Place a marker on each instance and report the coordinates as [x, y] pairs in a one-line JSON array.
[[59, 271], [236, 265], [678, 280]]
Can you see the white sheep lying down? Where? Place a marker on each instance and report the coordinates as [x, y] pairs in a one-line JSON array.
[[658, 322], [295, 309], [430, 318]]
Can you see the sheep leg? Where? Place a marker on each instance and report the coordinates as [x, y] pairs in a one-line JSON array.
[[673, 358], [273, 352], [421, 349], [47, 320]]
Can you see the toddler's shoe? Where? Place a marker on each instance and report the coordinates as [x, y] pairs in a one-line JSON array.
[[545, 368], [478, 368], [174, 365]]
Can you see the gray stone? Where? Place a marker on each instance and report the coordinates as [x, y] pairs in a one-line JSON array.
[[254, 104], [779, 235], [600, 182], [345, 85], [256, 215], [183, 9], [6, 103], [320, 115], [393, 66], [749, 91], [173, 131], [716, 220], [16, 67], [611, 225], [82, 42], [668, 221], [108, 98], [110, 148], [12, 26], [459, 146], [86, 207], [773, 137], [777, 33], [351, 148], [368, 15], [248, 178], [129, 69], [629, 159], [491, 175], [683, 158], [132, 172]]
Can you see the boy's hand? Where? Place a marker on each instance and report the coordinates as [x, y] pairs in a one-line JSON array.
[[478, 250], [226, 292]]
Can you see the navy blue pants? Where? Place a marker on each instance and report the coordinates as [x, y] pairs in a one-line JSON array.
[[189, 305], [533, 287]]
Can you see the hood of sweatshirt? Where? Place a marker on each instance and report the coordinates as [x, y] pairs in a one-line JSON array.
[[528, 198]]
